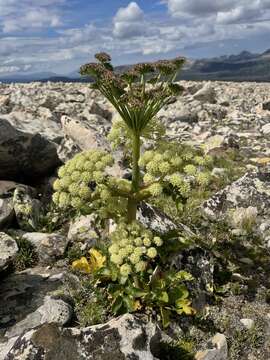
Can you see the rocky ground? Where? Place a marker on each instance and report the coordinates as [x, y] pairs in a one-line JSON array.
[[43, 125]]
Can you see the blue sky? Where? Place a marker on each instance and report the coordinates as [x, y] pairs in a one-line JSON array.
[[59, 35]]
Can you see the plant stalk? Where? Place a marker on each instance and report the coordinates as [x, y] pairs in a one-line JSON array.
[[132, 202]]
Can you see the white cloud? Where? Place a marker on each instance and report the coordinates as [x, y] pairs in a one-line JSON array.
[[225, 11], [179, 8], [129, 22], [34, 18], [82, 35], [131, 13], [26, 14], [14, 69]]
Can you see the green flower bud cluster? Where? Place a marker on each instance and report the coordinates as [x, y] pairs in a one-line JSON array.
[[80, 179], [119, 134], [133, 247], [182, 167]]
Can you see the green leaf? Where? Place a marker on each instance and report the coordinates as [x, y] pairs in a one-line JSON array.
[[183, 306], [183, 276], [164, 297], [165, 317], [117, 305], [130, 303], [112, 288], [137, 293], [178, 292]]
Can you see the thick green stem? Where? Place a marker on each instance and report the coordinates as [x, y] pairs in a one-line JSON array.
[[132, 203]]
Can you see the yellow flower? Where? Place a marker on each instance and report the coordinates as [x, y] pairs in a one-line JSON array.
[[97, 260], [134, 258], [140, 266], [117, 259], [125, 270], [81, 265], [147, 242], [113, 249], [152, 252], [158, 241]]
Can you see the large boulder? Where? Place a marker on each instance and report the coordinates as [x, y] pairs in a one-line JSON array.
[[251, 190], [24, 294], [25, 155], [8, 250], [125, 338]]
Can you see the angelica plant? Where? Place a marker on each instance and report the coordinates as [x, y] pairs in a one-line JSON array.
[[130, 267]]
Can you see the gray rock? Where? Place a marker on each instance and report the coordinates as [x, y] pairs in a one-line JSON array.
[[24, 155], [266, 105], [266, 129], [51, 311], [206, 94], [82, 134], [6, 187], [23, 293], [49, 247], [96, 108], [6, 212], [67, 149], [8, 250], [219, 351], [158, 222], [248, 323], [200, 264], [6, 346], [127, 337], [84, 230], [27, 209], [253, 189]]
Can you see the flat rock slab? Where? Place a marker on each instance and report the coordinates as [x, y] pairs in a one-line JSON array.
[[22, 294], [8, 250], [24, 155], [125, 338], [253, 189]]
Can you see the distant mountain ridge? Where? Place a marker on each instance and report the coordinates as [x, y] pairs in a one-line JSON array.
[[245, 66]]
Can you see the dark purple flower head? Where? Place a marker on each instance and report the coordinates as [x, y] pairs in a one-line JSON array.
[[144, 68], [179, 61], [103, 57], [93, 69], [165, 67], [130, 76]]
